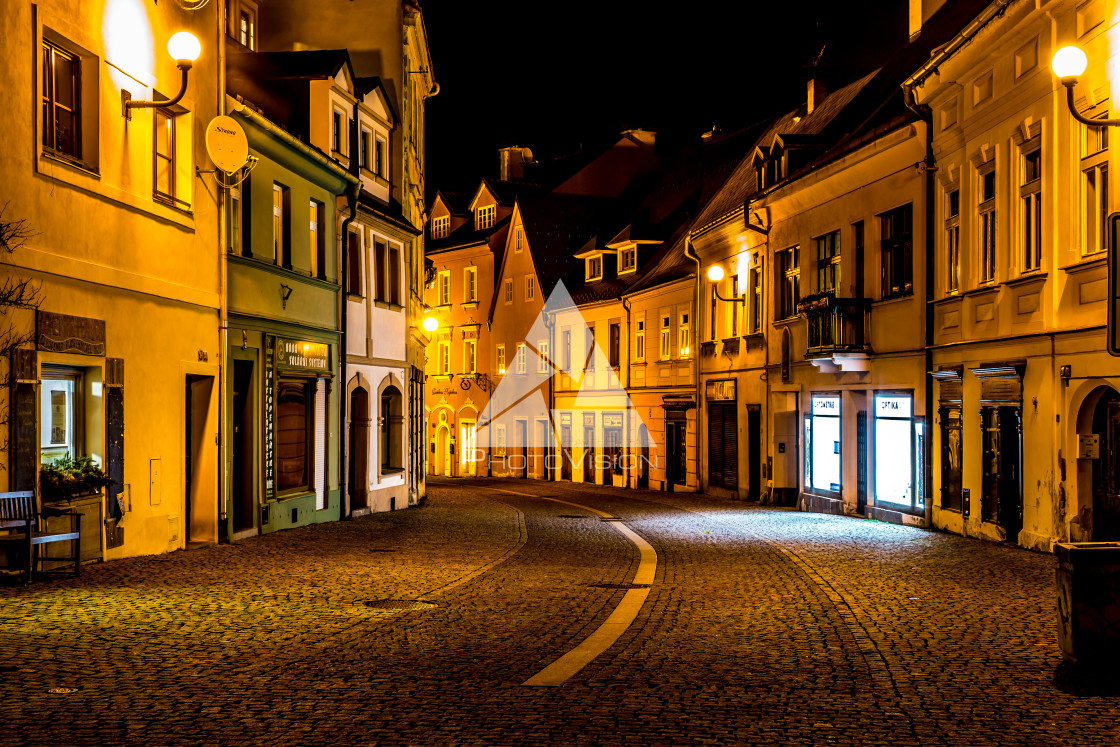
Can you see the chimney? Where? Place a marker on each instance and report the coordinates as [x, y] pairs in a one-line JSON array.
[[920, 12], [512, 162], [815, 95]]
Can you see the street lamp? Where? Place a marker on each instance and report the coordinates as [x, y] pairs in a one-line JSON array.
[[184, 48], [715, 274], [431, 324], [1069, 64]]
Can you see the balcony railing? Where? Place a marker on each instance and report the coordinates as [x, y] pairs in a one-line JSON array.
[[836, 325]]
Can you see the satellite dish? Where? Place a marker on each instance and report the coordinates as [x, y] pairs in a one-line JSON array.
[[226, 143]]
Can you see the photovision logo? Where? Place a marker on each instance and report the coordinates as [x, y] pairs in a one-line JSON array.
[[519, 433]]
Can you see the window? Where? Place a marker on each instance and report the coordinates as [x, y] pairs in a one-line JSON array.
[[294, 419], [363, 148], [953, 242], [594, 267], [530, 287], [566, 349], [445, 288], [589, 342], [354, 264], [247, 28], [61, 413], [444, 358], [507, 286], [380, 288], [470, 356], [470, 285], [628, 260], [734, 310], [520, 357], [394, 275], [1030, 204], [789, 280], [62, 96], [501, 359], [1094, 190], [281, 241], [517, 239], [441, 226], [234, 224], [163, 154], [828, 263], [317, 244], [337, 118], [379, 159], [614, 343], [640, 341], [986, 211], [501, 441], [392, 427], [822, 444], [714, 311], [484, 217], [665, 351], [895, 247], [684, 340], [756, 300], [542, 356], [898, 451]]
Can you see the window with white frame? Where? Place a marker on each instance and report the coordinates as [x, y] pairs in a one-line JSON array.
[[1030, 204], [445, 358], [247, 26], [628, 260], [789, 281], [530, 287], [441, 226], [594, 267], [364, 143], [500, 440], [445, 288], [828, 262], [986, 213], [163, 155], [470, 357], [507, 290], [338, 130], [520, 357], [501, 359], [379, 160], [640, 340], [280, 241], [1094, 190], [517, 239], [684, 338], [755, 318], [666, 349], [317, 240], [470, 285], [484, 217], [542, 356], [566, 349], [953, 241]]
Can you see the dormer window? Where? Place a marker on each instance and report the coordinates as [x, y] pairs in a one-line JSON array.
[[627, 260], [484, 217], [595, 267], [440, 226]]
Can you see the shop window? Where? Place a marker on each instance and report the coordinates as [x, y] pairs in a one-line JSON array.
[[612, 441], [951, 444], [62, 413], [294, 418], [822, 444], [898, 451], [896, 252]]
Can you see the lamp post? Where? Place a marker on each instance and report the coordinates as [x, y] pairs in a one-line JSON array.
[[184, 48], [1069, 64]]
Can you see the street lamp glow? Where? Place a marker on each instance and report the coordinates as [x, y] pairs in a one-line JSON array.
[[184, 47], [715, 273], [1069, 62], [431, 324]]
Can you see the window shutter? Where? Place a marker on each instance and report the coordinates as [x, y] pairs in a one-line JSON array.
[[23, 416], [715, 445]]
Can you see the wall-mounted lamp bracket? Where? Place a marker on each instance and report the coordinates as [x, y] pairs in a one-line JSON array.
[[127, 104], [285, 294], [1069, 83]]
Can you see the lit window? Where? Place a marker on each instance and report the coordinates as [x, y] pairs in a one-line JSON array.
[[530, 287], [896, 252], [594, 267], [280, 241], [640, 341], [628, 260], [665, 350], [828, 263], [734, 310], [1030, 205], [755, 320], [441, 226], [61, 413], [317, 243], [484, 217], [470, 351], [520, 358], [898, 444], [822, 444], [953, 242], [247, 28], [445, 288], [684, 339], [163, 155], [501, 359], [508, 290], [986, 211]]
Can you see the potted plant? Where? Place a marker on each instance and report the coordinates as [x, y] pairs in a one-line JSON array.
[[65, 479]]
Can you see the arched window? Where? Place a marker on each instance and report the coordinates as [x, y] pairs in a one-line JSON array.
[[391, 427]]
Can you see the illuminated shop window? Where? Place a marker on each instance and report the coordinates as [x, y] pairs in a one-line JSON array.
[[61, 414], [898, 451], [822, 444]]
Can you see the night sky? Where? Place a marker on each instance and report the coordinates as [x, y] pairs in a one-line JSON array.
[[555, 76]]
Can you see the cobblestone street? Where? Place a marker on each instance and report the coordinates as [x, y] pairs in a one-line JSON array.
[[762, 626]]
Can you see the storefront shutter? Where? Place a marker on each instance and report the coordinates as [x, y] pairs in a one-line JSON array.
[[22, 417], [730, 447], [114, 427], [321, 470], [715, 445]]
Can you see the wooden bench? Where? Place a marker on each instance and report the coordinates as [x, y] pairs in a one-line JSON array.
[[22, 525]]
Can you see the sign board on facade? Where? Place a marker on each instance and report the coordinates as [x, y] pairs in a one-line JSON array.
[[612, 420], [1088, 446], [269, 413], [721, 391], [893, 407], [301, 355], [826, 405], [62, 333], [589, 420]]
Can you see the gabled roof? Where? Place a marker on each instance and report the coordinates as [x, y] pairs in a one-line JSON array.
[[304, 65], [456, 202], [365, 86]]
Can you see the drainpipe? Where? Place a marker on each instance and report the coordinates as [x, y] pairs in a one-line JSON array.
[[688, 252], [343, 275], [225, 365], [626, 385]]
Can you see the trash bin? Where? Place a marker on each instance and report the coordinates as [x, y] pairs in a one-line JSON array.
[[1089, 601]]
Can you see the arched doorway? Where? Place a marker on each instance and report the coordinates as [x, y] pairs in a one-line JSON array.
[[357, 449], [443, 450], [1106, 467]]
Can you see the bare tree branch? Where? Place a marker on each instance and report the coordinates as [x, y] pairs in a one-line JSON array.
[[15, 294]]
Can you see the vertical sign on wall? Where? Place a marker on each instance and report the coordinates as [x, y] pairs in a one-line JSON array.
[[269, 404]]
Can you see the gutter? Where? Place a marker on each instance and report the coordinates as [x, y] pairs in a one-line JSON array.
[[343, 276], [688, 252]]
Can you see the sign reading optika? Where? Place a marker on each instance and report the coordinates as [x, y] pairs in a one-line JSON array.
[[303, 355]]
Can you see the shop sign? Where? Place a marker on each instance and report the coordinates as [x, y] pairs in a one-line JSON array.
[[893, 407], [269, 414], [589, 420], [826, 406], [61, 333], [1089, 446], [612, 420], [721, 391], [566, 418], [302, 355]]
